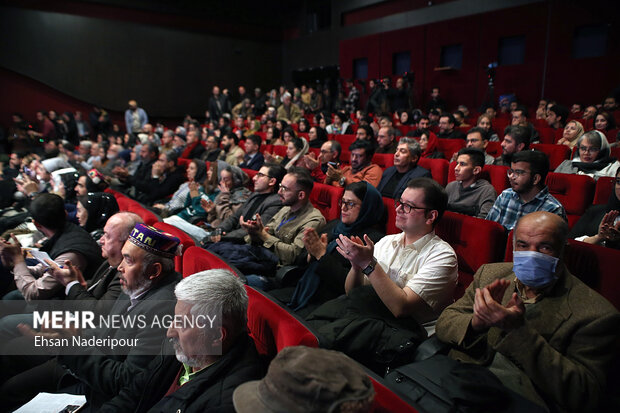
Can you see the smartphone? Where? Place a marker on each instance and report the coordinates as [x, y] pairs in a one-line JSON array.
[[333, 164]]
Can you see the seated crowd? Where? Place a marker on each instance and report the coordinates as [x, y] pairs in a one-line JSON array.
[[242, 184]]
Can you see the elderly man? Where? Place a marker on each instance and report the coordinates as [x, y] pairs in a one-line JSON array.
[[539, 329], [288, 110], [395, 178], [147, 280], [528, 191], [211, 360], [361, 168], [386, 140], [329, 155]]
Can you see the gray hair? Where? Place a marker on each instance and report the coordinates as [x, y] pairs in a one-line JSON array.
[[128, 221], [216, 290], [86, 144], [412, 145], [595, 138]]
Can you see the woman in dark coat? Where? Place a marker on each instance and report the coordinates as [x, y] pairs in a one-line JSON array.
[[323, 280]]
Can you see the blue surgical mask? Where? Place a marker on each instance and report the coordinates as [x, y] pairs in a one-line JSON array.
[[534, 269]]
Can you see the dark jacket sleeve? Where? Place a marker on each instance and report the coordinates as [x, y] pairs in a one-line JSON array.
[[113, 290]]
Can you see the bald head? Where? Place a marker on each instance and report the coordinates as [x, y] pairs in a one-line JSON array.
[[541, 231]]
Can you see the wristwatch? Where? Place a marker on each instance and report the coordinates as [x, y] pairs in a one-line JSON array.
[[370, 267]]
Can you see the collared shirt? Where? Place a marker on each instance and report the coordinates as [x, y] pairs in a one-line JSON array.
[[187, 374], [509, 207], [428, 266]]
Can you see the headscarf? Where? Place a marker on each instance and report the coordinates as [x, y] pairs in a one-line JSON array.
[[603, 159], [302, 152], [100, 206], [201, 170], [432, 145], [371, 212]]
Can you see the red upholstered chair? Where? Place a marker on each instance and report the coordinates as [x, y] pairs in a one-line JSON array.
[[497, 176], [196, 259], [575, 192], [390, 226], [267, 148], [438, 168], [556, 153], [183, 162], [384, 160], [315, 151], [262, 135], [450, 146], [279, 150], [494, 149], [596, 266], [404, 129], [274, 327], [548, 135], [148, 217], [615, 152], [249, 172], [604, 188], [345, 157], [386, 400], [186, 241], [499, 125], [345, 140], [115, 193], [325, 198], [123, 202], [476, 241]]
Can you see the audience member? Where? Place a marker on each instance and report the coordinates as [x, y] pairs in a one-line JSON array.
[[340, 125], [556, 116], [252, 159], [447, 129], [212, 152], [469, 194], [317, 136], [135, 118], [329, 155], [592, 157], [386, 140], [288, 111], [361, 168], [429, 144], [395, 178], [516, 139], [572, 132], [485, 122], [528, 191], [508, 321], [94, 210], [478, 138], [187, 197]]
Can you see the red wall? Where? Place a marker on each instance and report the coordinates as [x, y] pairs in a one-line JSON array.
[[567, 80]]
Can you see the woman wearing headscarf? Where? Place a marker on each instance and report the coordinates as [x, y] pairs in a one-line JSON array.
[[189, 193], [600, 224], [591, 158], [572, 132], [361, 209], [428, 144], [93, 211]]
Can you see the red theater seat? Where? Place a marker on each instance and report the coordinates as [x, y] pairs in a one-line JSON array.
[[279, 150], [450, 146], [345, 140], [386, 400], [274, 327], [476, 241], [384, 160], [438, 168], [390, 226], [556, 153], [325, 198], [604, 188], [196, 259], [183, 162], [575, 192], [498, 177], [186, 241], [494, 149]]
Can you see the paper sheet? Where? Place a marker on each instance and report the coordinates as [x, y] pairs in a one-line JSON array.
[[51, 403]]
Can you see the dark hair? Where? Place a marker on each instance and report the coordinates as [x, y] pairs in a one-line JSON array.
[[342, 116], [521, 109], [321, 134], [539, 162], [359, 189], [475, 155], [276, 132], [282, 122], [233, 136], [611, 122], [435, 196], [49, 211], [423, 117], [256, 140], [276, 171], [290, 131], [369, 131], [100, 206], [461, 114], [483, 133], [153, 148], [368, 148], [519, 133], [303, 179], [305, 122], [298, 143], [449, 116], [560, 111]]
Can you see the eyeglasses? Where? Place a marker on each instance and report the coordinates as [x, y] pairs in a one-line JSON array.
[[406, 207], [261, 175], [590, 149], [516, 172], [285, 189], [347, 204]]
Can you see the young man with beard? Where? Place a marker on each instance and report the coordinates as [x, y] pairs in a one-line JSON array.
[[527, 192], [233, 154], [361, 168], [516, 139]]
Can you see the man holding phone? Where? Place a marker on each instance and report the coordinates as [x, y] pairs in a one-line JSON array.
[[330, 155], [361, 168]]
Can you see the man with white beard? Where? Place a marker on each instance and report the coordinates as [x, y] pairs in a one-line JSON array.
[[213, 352]]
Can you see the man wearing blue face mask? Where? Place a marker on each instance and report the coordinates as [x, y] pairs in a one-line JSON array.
[[539, 329]]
